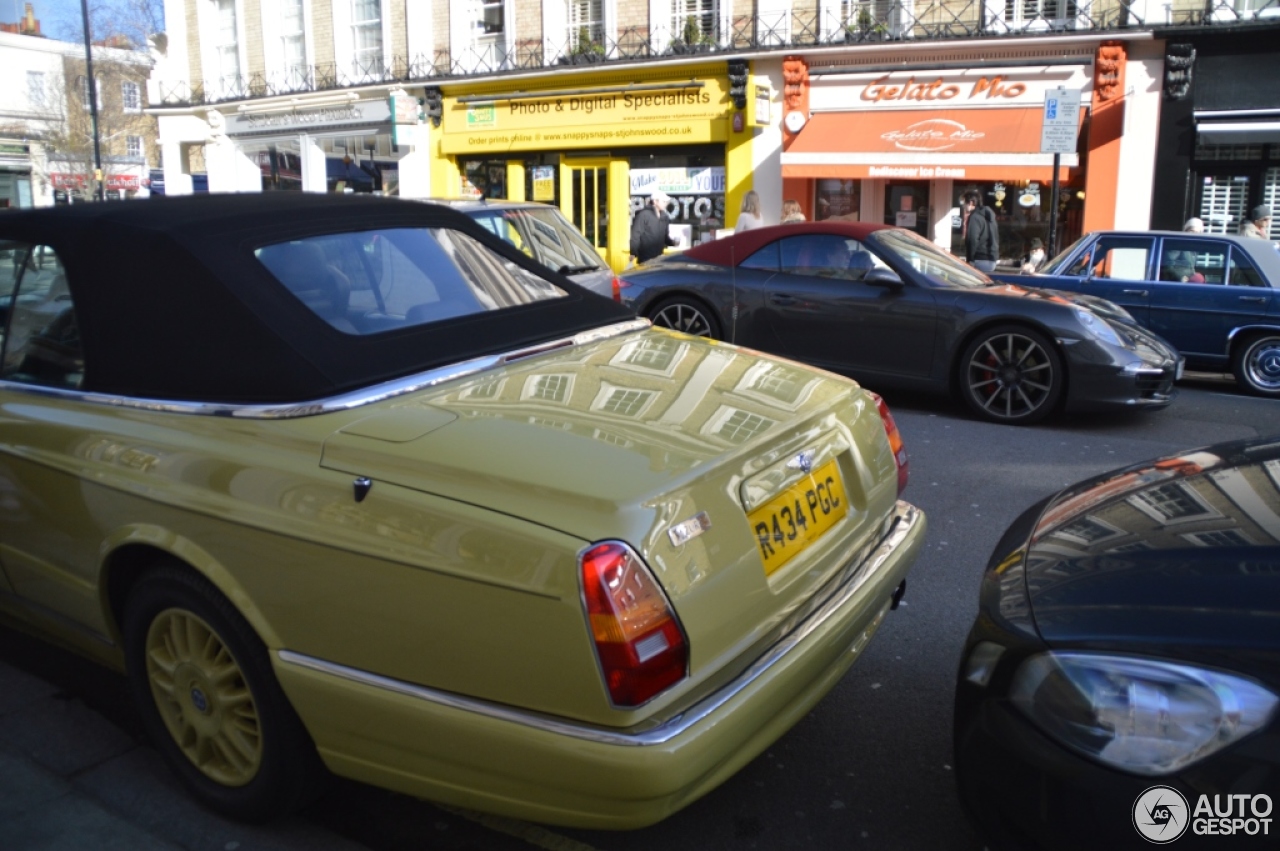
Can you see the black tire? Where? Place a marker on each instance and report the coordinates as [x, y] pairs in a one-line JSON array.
[[209, 701], [1010, 374], [687, 315], [1256, 365]]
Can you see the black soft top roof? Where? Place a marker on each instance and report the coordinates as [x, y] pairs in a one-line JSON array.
[[172, 303]]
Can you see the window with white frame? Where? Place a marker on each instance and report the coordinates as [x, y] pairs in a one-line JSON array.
[[130, 96], [586, 23], [1039, 14], [293, 42], [877, 17], [489, 24], [84, 93], [695, 21], [366, 32], [133, 147], [227, 45], [35, 88]]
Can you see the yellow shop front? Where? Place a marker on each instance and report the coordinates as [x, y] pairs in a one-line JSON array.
[[596, 146]]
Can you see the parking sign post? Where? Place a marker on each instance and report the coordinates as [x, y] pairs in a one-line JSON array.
[[1058, 137]]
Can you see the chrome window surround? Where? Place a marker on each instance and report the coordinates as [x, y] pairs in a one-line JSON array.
[[346, 401], [865, 563]]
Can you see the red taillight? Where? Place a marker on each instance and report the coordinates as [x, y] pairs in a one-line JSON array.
[[638, 640], [617, 290], [895, 441]]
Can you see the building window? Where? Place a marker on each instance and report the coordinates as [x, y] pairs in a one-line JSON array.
[[549, 388], [1040, 14], [293, 43], [740, 426], [227, 46], [695, 21], [366, 26], [35, 88], [133, 147], [586, 24], [489, 28], [84, 93], [625, 403], [876, 17], [130, 96], [1220, 538], [1172, 503]]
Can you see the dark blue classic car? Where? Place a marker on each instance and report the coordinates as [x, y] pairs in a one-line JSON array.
[[1213, 296]]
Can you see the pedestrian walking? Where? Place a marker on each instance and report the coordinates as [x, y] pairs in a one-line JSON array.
[[791, 212], [1259, 224], [981, 233], [749, 218], [650, 229]]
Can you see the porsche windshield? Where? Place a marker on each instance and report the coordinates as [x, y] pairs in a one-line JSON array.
[[928, 259], [367, 282]]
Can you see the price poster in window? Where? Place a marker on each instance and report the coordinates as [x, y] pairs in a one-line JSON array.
[[544, 183]]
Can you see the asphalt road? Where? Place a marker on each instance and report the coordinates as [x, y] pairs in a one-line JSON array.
[[870, 767]]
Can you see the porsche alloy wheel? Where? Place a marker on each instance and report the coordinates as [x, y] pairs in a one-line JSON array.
[[209, 700], [681, 314], [1257, 365], [1011, 374]]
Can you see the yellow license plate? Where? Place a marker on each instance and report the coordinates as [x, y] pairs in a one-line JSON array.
[[798, 516]]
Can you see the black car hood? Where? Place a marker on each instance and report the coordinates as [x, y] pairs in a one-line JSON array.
[[1183, 552]]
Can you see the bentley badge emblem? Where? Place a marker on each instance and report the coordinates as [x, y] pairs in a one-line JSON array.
[[802, 462]]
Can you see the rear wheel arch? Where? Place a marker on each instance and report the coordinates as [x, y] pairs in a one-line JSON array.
[[134, 550]]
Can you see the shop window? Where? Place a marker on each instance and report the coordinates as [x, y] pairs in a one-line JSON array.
[[293, 44], [1022, 210], [280, 163], [361, 164], [366, 31], [695, 183], [838, 199]]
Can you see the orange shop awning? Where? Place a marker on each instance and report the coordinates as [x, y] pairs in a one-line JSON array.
[[964, 144]]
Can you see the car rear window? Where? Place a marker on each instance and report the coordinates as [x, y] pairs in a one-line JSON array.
[[369, 282]]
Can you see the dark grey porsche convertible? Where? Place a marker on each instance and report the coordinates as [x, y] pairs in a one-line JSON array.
[[889, 307]]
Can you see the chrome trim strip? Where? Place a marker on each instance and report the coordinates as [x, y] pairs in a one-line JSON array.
[[344, 402], [855, 575]]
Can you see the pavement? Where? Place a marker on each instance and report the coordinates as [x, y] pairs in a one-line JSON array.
[[72, 780]]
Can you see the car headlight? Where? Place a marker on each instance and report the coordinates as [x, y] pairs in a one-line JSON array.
[[1138, 715], [1098, 327]]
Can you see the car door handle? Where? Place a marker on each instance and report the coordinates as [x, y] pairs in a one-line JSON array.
[[1254, 299], [1142, 293], [784, 300]]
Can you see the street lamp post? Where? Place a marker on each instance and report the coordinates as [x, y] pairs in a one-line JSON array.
[[91, 85]]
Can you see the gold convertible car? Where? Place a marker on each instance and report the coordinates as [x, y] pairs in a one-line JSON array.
[[350, 484]]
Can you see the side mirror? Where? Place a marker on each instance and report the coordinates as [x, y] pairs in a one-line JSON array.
[[881, 277]]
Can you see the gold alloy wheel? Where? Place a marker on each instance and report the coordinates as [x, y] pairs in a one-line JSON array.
[[203, 698]]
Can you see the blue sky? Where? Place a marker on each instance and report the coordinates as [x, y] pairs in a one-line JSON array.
[[59, 19]]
